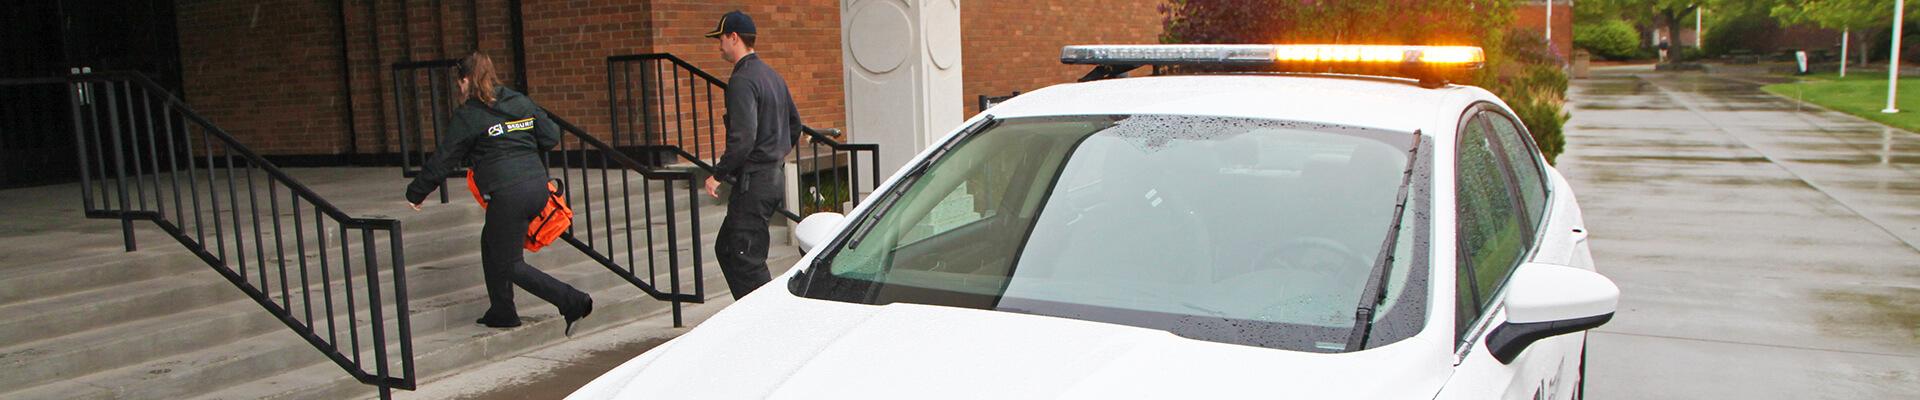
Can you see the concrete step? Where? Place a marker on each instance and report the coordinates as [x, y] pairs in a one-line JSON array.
[[280, 365], [98, 260], [177, 328], [464, 298], [99, 267], [452, 230], [446, 353], [189, 284], [159, 298]]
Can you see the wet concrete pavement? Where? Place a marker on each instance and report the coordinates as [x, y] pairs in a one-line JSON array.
[[1764, 249]]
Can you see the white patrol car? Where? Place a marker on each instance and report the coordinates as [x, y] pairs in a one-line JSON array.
[[1289, 235]]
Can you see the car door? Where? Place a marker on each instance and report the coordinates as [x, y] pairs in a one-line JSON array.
[[1501, 200]]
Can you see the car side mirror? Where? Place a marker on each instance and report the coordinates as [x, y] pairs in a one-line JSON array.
[[817, 229], [1547, 300]]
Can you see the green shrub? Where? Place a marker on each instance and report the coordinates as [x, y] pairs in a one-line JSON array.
[[1521, 66], [1690, 54], [1611, 39], [1545, 116], [823, 191], [1727, 31], [1538, 98], [1534, 85]]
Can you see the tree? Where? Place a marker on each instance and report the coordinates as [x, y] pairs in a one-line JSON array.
[[1334, 21], [1609, 38], [1663, 13], [1520, 67], [1671, 14], [1864, 19]]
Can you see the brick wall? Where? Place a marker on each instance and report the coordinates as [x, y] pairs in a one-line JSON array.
[[376, 39], [800, 39], [1011, 45], [1532, 18], [268, 71]]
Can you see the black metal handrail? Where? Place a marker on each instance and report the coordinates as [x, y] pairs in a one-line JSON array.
[[135, 142], [608, 255], [654, 113], [605, 228], [416, 128]]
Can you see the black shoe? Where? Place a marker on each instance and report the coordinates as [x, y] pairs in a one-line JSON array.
[[493, 322], [586, 307]]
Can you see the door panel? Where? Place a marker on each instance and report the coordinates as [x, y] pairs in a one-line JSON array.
[[35, 128], [123, 35], [1495, 232], [1547, 368]]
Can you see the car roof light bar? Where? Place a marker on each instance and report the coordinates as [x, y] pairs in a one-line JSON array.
[[1432, 65]]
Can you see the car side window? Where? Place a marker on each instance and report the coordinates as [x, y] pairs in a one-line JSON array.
[[1523, 159], [1490, 233]]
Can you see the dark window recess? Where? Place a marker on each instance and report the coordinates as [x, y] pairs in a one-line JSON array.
[[50, 39]]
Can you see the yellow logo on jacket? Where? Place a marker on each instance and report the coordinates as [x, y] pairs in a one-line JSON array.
[[510, 126]]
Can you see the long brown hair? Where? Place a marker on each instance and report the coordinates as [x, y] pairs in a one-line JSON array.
[[477, 68]]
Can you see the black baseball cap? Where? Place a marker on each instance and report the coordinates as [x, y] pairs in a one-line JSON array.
[[733, 22]]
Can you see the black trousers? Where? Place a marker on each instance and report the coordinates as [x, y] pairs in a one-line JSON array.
[[742, 245], [503, 257]]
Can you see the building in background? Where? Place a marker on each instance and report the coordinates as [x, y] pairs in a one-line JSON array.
[[1551, 19], [271, 72]]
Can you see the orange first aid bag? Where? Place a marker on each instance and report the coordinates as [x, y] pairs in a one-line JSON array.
[[552, 221]]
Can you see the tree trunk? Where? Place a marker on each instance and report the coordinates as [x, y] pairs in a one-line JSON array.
[[1865, 42], [1671, 18]]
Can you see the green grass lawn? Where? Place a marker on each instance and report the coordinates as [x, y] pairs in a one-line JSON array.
[[1862, 95]]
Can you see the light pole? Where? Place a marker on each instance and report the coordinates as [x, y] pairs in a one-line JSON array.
[[1893, 65], [1549, 23], [1698, 26]]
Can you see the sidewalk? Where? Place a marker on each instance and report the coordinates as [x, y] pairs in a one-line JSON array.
[[556, 371], [1763, 250]]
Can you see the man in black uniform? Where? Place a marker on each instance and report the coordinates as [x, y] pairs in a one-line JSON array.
[[762, 126]]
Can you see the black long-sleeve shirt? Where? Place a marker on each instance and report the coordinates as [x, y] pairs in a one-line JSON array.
[[762, 122], [504, 151]]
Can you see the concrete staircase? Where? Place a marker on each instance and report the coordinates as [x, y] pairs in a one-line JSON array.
[[81, 318]]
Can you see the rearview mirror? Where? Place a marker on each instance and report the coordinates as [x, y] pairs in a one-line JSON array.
[[1547, 300], [817, 229]]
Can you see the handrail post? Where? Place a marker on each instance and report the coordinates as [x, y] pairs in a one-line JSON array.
[[400, 120], [120, 167], [401, 311], [74, 91], [693, 216], [379, 332], [673, 254], [435, 101]]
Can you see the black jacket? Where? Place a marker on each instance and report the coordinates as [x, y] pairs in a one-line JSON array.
[[502, 151], [762, 122]]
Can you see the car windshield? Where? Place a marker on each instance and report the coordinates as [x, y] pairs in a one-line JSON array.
[[1245, 231]]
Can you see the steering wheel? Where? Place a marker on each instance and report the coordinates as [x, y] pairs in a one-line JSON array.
[[1314, 259], [1312, 254]]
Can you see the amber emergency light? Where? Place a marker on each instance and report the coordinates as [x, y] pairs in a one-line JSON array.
[[1433, 66]]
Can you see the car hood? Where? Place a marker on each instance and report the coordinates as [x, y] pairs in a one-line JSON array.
[[775, 345]]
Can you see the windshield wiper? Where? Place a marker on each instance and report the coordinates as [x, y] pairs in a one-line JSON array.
[[913, 175], [1375, 291]]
